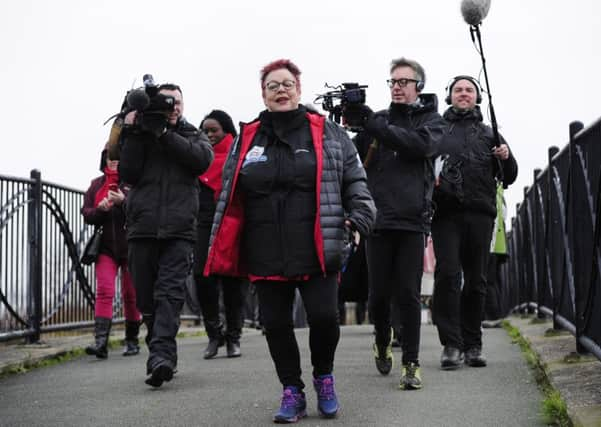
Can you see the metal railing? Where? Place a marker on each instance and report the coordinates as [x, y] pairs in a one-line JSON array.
[[554, 246], [43, 286]]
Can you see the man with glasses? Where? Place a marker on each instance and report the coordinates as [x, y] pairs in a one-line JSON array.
[[161, 158], [398, 145]]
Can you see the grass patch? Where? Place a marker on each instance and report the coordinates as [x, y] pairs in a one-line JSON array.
[[28, 365], [553, 409], [191, 334]]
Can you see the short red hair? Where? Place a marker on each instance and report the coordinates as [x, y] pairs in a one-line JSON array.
[[278, 65]]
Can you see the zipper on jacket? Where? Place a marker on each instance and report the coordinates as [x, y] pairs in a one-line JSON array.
[[162, 206]]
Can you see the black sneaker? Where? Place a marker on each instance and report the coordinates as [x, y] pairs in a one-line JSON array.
[[383, 357], [451, 358], [411, 377], [163, 372], [474, 358]]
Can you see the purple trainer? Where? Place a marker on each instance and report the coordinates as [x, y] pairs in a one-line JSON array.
[[327, 402], [293, 407]]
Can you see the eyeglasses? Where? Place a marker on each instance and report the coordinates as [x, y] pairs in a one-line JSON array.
[[275, 86], [400, 82]]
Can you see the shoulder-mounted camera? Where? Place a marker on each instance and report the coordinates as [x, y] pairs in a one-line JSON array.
[[344, 97]]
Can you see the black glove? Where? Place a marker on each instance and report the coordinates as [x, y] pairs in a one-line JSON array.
[[153, 123], [356, 115]]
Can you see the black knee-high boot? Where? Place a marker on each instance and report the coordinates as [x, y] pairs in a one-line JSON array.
[[102, 329]]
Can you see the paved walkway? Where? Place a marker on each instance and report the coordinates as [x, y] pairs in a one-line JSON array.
[[245, 391]]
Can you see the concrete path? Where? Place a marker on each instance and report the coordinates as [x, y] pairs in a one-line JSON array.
[[245, 391]]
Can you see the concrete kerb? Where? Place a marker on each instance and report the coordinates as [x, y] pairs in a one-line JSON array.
[[17, 357], [577, 378]]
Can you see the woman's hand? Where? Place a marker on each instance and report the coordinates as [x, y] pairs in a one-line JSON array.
[[105, 204], [116, 197]]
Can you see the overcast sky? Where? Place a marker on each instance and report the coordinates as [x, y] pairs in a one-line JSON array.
[[66, 65]]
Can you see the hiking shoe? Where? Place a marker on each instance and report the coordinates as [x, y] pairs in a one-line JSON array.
[[474, 358], [327, 402], [383, 357], [163, 372], [451, 358], [411, 377], [293, 406]]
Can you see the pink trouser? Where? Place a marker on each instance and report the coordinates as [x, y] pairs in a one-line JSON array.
[[106, 273]]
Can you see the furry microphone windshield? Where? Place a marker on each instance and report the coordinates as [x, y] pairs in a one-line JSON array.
[[474, 11]]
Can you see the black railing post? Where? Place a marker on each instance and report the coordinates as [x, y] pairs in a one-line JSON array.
[[34, 237], [572, 211], [549, 226], [527, 254], [537, 247]]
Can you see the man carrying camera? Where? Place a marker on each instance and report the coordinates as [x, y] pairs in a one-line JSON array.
[[474, 162], [161, 158], [398, 145]]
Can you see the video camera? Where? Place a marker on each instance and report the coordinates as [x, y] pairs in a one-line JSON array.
[[350, 95], [147, 99], [153, 106]]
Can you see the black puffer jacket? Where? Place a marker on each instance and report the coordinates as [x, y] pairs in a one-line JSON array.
[[163, 174], [468, 146], [343, 194], [401, 170]]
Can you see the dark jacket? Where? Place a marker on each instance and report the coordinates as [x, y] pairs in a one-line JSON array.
[[467, 149], [163, 174], [340, 190], [114, 243], [401, 169]]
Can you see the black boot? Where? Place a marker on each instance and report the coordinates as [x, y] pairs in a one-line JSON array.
[[216, 339], [233, 348], [102, 329], [132, 329], [232, 339]]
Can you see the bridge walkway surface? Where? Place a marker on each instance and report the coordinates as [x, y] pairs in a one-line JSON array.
[[85, 391]]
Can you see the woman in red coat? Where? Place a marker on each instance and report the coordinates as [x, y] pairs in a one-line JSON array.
[[103, 207], [220, 130]]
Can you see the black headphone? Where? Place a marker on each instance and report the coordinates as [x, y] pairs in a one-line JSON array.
[[419, 85], [455, 79]]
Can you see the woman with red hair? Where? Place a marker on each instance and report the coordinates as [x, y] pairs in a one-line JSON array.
[[293, 191]]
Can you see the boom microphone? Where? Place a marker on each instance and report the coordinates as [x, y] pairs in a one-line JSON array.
[[138, 99], [474, 11]]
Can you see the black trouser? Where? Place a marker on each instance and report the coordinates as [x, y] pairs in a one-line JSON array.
[[234, 294], [395, 260], [320, 296], [159, 269], [461, 244]]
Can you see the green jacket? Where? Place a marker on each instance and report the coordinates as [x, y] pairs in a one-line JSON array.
[[498, 243]]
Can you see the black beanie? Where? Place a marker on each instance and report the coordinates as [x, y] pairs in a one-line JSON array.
[[223, 119]]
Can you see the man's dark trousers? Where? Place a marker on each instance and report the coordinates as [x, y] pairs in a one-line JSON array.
[[159, 269], [395, 260], [461, 244]]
